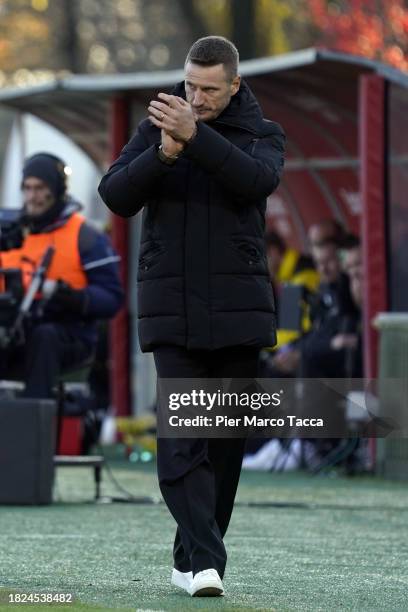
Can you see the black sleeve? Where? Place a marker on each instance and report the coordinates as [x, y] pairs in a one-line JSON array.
[[133, 177], [251, 176]]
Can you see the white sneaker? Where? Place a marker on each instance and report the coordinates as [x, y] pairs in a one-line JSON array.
[[206, 584], [183, 580]]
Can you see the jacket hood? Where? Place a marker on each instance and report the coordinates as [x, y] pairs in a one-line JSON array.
[[242, 112]]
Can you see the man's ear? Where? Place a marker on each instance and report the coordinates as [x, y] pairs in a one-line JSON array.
[[235, 85]]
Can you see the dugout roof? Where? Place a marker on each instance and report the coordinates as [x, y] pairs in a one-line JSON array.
[[313, 93]]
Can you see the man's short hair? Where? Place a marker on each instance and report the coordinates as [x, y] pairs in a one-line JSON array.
[[332, 230], [214, 50], [327, 242]]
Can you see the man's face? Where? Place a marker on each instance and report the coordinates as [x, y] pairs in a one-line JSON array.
[[353, 265], [327, 263], [208, 90], [38, 197], [356, 289]]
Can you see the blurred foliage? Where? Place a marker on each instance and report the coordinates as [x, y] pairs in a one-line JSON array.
[[271, 17], [23, 34], [270, 30], [95, 36], [377, 29], [216, 14], [42, 38]]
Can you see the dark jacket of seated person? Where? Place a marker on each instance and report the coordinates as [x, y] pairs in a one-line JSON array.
[[333, 313]]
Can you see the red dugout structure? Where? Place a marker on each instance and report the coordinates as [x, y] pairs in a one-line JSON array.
[[347, 157]]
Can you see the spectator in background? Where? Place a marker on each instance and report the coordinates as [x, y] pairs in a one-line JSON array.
[[82, 280], [333, 315], [332, 312], [287, 361], [331, 349]]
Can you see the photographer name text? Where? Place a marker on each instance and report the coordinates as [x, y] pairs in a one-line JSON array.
[[244, 421]]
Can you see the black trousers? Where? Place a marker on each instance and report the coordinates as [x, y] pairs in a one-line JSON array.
[[198, 478], [49, 349]]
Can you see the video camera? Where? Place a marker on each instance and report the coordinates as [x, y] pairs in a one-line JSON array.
[[11, 228], [15, 302]]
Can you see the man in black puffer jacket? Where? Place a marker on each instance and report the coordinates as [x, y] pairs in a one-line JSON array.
[[201, 167]]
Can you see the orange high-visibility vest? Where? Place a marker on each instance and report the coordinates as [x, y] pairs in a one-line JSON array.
[[66, 263]]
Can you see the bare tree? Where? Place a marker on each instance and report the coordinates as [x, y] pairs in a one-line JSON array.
[[196, 24], [243, 28], [69, 41]]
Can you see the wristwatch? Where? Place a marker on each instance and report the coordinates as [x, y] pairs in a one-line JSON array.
[[169, 160]]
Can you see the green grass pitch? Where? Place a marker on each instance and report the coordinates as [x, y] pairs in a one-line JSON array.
[[309, 544]]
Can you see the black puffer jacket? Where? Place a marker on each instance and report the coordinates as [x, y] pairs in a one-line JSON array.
[[203, 280]]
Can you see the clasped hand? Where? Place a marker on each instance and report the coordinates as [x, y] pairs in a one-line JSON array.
[[174, 116]]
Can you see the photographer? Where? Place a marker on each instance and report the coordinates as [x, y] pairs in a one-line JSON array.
[[81, 283]]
